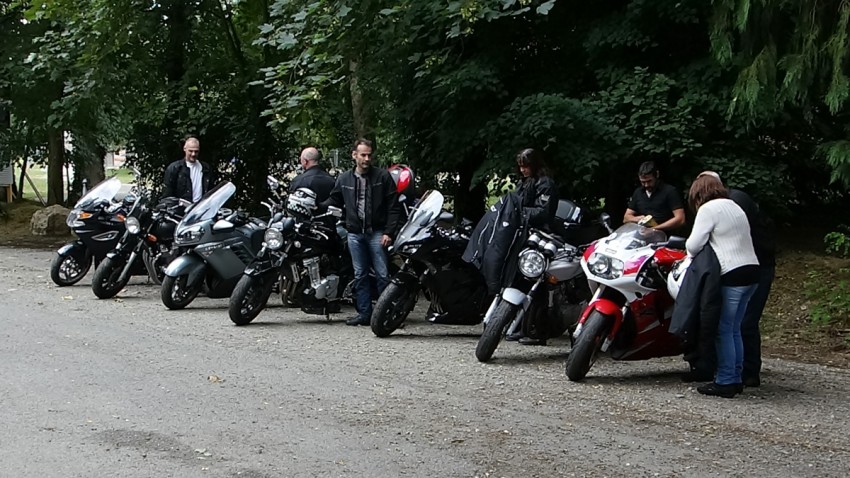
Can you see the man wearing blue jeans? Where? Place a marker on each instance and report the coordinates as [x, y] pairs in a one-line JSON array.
[[372, 213]]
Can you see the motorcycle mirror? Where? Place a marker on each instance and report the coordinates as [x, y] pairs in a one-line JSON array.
[[335, 211], [676, 242], [446, 216], [401, 197], [273, 182], [605, 218]]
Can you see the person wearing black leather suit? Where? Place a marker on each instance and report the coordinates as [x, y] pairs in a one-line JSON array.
[[539, 198]]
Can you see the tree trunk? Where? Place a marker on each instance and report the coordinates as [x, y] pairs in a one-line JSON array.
[[359, 111], [55, 163]]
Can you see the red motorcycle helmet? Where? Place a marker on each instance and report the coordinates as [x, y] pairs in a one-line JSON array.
[[404, 180]]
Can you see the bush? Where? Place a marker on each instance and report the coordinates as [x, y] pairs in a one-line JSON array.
[[838, 242]]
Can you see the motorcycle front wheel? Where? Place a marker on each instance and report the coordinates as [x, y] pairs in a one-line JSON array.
[[68, 270], [495, 330], [249, 298], [176, 292], [586, 349], [392, 308], [106, 282]]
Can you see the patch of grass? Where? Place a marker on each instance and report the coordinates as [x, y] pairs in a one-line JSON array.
[[125, 175], [829, 293], [38, 175]]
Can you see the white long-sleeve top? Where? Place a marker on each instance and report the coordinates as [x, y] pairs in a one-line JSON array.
[[721, 223]]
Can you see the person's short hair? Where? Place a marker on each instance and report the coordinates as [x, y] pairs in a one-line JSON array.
[[191, 138], [311, 156], [364, 142], [705, 188], [648, 168]]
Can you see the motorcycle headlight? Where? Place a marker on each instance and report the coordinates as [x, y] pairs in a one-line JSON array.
[[133, 226], [531, 263], [188, 235], [273, 239], [604, 266]]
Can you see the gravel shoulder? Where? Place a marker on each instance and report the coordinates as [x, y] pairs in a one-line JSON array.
[[124, 387]]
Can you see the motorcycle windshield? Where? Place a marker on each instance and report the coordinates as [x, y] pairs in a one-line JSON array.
[[207, 207], [424, 216], [631, 236], [104, 191]]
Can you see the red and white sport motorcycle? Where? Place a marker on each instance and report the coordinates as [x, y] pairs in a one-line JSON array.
[[629, 314]]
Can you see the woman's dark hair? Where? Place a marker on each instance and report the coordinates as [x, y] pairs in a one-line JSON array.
[[704, 189], [533, 159]]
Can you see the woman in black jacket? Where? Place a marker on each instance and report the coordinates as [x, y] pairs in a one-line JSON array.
[[539, 198], [537, 190]]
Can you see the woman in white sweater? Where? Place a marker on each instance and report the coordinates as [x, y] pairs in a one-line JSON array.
[[722, 224]]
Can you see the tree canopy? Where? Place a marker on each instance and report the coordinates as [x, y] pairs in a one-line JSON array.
[[753, 90]]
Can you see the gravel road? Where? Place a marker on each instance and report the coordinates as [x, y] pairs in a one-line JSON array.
[[124, 387]]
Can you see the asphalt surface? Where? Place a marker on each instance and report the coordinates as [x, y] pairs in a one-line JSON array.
[[124, 387]]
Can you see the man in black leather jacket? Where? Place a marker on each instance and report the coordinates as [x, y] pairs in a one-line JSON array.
[[371, 216], [188, 178], [314, 177]]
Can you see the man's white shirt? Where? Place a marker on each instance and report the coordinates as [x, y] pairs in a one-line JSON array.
[[196, 172]]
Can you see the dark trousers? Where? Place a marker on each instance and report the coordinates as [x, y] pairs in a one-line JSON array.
[[750, 325]]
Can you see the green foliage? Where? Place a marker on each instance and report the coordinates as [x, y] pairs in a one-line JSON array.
[[837, 155], [767, 183], [830, 298], [838, 242]]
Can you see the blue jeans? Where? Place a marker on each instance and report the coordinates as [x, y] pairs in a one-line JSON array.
[[367, 254], [750, 325], [730, 346]]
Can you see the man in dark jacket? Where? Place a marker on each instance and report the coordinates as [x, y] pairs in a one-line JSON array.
[[314, 177], [372, 213], [188, 178]]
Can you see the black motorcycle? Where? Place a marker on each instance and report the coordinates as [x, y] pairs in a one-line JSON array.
[[146, 247], [305, 258], [432, 263], [218, 243], [98, 222]]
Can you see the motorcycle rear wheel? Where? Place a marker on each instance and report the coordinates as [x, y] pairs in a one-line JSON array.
[[495, 330], [68, 270], [176, 293], [106, 282], [391, 309], [249, 298], [586, 349]]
